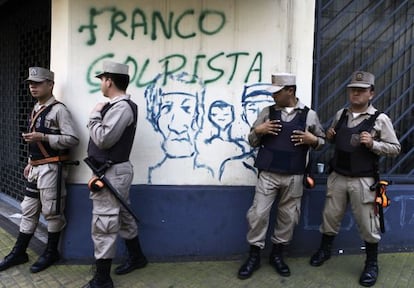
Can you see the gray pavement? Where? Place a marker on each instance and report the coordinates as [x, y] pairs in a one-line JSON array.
[[396, 270]]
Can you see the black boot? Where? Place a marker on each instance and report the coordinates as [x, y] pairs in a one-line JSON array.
[[370, 274], [276, 260], [18, 254], [252, 263], [102, 277], [136, 258], [324, 251], [50, 255]]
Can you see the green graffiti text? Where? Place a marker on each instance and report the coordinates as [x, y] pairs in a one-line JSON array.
[[207, 22], [214, 66]]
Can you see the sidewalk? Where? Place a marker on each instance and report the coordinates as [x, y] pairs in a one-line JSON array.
[[396, 270]]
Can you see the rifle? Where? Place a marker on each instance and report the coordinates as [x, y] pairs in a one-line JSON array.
[[99, 182], [59, 182], [381, 200]]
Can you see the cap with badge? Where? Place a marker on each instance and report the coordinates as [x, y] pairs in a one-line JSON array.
[[280, 80], [361, 79], [113, 68], [39, 74]]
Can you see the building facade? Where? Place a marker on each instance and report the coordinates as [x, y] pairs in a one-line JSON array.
[[194, 178]]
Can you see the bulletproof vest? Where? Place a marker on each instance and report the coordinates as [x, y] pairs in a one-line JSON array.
[[350, 157], [277, 153], [121, 150], [37, 124]]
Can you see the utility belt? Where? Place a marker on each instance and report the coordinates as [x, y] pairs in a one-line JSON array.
[[47, 160], [103, 164]]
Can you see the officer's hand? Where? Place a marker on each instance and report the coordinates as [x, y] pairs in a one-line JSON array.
[[330, 133], [33, 137], [269, 127], [300, 137], [365, 138], [27, 170]]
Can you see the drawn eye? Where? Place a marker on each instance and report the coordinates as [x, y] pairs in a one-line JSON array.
[[166, 108], [186, 109]]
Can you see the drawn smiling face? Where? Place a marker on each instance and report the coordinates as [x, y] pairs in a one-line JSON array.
[[221, 114], [176, 124], [221, 117]]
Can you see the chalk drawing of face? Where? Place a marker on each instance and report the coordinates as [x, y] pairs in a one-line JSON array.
[[175, 109], [255, 97], [176, 124], [221, 114]]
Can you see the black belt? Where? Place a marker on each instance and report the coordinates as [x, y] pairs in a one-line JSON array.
[[32, 191]]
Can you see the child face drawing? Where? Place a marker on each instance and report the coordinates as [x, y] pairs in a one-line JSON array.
[[221, 117]]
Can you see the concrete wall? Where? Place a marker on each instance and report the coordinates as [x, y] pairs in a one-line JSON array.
[[193, 167]]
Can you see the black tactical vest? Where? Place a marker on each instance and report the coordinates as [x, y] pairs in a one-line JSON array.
[[352, 158], [121, 150], [278, 153], [39, 126]]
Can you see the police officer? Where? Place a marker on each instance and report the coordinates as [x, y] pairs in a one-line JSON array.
[[50, 135], [284, 132], [112, 128], [360, 135]]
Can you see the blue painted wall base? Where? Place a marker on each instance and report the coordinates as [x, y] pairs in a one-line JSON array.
[[209, 222]]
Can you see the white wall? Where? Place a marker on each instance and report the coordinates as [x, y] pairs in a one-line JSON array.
[[269, 35]]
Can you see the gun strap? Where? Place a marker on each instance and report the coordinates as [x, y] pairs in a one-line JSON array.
[[33, 118]]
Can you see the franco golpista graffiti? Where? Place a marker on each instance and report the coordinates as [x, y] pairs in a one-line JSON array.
[[202, 133]]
